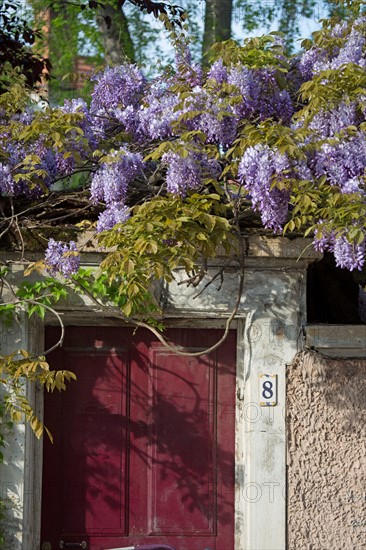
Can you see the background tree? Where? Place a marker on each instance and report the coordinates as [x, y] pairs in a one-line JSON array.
[[16, 37], [131, 28], [116, 38], [103, 32], [217, 24]]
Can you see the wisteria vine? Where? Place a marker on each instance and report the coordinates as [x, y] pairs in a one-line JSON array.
[[258, 127]]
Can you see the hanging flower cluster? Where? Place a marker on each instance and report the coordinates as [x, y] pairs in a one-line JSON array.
[[257, 168], [110, 185], [62, 258]]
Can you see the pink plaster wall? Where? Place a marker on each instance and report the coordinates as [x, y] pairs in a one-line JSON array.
[[326, 455]]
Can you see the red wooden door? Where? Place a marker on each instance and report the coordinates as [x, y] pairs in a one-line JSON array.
[[143, 442]]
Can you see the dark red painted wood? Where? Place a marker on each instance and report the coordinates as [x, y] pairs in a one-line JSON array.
[[144, 441]]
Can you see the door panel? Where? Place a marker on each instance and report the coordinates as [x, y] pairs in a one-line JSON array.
[[143, 442], [181, 438], [95, 445]]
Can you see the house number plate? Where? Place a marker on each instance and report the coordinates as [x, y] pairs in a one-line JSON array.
[[268, 390]]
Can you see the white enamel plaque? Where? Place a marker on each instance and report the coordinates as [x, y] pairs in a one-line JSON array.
[[268, 390]]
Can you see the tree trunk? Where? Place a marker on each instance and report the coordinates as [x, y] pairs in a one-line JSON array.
[[113, 26], [217, 23]]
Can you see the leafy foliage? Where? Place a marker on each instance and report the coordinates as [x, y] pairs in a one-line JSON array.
[[21, 367], [36, 297], [15, 38], [258, 126], [288, 14], [163, 234], [15, 369]]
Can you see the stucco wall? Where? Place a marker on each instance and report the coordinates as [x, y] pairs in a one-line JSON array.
[[326, 403]]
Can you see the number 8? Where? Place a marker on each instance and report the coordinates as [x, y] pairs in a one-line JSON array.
[[267, 392]]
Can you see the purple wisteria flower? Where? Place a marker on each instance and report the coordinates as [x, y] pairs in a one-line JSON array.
[[86, 124], [243, 78], [74, 105], [343, 162], [116, 86], [115, 213], [210, 114], [74, 142], [261, 94], [310, 58], [186, 68], [351, 52], [7, 184], [129, 117], [315, 60], [323, 241], [221, 130], [257, 169], [273, 102], [62, 258], [218, 122], [26, 117], [218, 72], [158, 113], [65, 164], [16, 154], [327, 123], [185, 173], [110, 182], [348, 254], [182, 173]]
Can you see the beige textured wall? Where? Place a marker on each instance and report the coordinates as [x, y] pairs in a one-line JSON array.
[[326, 454]]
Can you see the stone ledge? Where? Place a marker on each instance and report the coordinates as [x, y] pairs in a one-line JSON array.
[[348, 341], [263, 247], [282, 247]]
